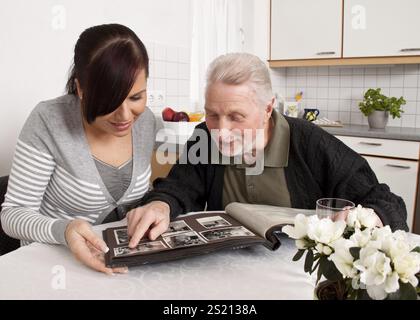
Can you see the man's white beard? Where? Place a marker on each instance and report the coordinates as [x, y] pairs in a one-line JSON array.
[[245, 146]]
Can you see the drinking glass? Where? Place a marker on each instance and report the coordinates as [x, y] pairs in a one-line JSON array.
[[331, 207]]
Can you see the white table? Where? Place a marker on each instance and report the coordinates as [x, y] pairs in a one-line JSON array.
[[253, 273]]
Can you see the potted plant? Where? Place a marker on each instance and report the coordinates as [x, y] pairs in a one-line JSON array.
[[377, 108]]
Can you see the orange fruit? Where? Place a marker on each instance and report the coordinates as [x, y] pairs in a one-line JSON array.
[[195, 116]]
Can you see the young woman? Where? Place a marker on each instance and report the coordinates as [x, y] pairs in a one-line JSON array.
[[84, 158]]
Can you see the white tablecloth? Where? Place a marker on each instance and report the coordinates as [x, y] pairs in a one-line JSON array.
[[253, 273]]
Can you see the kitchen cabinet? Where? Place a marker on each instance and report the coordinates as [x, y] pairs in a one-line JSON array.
[[159, 169], [395, 163], [305, 29], [374, 28], [344, 32]]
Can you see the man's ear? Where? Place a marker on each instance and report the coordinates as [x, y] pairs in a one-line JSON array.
[[269, 109], [79, 89]]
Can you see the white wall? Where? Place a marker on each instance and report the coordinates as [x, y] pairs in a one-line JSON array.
[[36, 48]]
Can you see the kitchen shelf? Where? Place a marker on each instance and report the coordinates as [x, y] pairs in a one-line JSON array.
[[344, 61]]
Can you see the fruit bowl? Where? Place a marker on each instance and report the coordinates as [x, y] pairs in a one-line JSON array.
[[180, 123]]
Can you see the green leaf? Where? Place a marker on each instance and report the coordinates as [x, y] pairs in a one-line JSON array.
[[309, 261], [316, 266], [330, 271], [416, 249], [362, 295], [406, 292], [298, 254], [355, 252], [320, 271]]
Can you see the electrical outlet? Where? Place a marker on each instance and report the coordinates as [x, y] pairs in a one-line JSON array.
[[155, 98]]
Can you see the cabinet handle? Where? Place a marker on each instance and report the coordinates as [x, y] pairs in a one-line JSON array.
[[376, 144], [410, 49], [323, 53], [398, 166]]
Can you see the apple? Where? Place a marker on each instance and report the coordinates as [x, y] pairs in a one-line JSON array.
[[168, 114], [181, 116]]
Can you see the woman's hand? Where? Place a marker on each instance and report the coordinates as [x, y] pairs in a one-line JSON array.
[[151, 220], [88, 247]]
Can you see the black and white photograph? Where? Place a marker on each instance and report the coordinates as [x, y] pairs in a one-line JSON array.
[[176, 227], [184, 240], [213, 222], [231, 232], [215, 131], [121, 236], [142, 247]]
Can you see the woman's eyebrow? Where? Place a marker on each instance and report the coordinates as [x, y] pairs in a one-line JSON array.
[[135, 94]]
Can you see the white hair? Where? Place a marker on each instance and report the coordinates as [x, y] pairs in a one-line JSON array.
[[242, 68]]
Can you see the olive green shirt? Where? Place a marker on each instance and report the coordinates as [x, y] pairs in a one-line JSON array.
[[269, 187]]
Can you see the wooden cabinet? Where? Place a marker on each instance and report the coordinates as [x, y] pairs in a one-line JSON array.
[[344, 32], [395, 163], [374, 28], [162, 163], [305, 29]]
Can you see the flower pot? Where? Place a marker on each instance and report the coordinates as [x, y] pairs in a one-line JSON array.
[[331, 290], [378, 119]]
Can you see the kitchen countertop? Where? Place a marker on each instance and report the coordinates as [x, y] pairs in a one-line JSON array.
[[394, 133], [175, 143]]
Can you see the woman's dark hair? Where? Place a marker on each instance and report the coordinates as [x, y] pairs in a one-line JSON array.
[[107, 60]]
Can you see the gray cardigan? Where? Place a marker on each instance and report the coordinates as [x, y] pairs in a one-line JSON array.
[[54, 178]]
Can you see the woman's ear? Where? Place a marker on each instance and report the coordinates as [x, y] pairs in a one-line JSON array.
[[79, 89]]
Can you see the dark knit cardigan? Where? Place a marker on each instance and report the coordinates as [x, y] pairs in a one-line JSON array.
[[320, 166]]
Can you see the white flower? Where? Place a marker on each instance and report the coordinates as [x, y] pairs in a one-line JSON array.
[[397, 244], [361, 238], [323, 249], [301, 243], [381, 233], [381, 238], [326, 231], [376, 272], [380, 292], [299, 230], [362, 217], [343, 259], [407, 266]]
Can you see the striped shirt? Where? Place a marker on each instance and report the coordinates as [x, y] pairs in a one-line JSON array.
[[54, 178]]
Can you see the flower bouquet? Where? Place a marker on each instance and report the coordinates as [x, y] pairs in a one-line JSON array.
[[358, 259]]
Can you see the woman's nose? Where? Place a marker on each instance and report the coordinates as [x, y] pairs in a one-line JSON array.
[[123, 112]]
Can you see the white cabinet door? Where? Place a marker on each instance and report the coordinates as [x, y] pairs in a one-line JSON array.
[[305, 29], [381, 28], [401, 177]]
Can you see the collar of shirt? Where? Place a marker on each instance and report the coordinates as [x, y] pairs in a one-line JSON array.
[[276, 152]]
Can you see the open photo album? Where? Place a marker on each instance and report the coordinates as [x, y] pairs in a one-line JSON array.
[[239, 226]]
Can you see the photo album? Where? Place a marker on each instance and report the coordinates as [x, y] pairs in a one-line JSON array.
[[240, 225]]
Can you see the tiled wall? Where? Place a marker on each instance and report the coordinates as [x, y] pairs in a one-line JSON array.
[[337, 91], [170, 73]]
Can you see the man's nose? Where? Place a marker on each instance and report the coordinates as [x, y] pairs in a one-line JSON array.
[[224, 124]]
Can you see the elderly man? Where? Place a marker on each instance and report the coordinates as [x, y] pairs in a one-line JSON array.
[[301, 162]]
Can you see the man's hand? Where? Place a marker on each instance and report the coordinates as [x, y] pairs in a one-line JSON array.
[[151, 220], [88, 247]]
